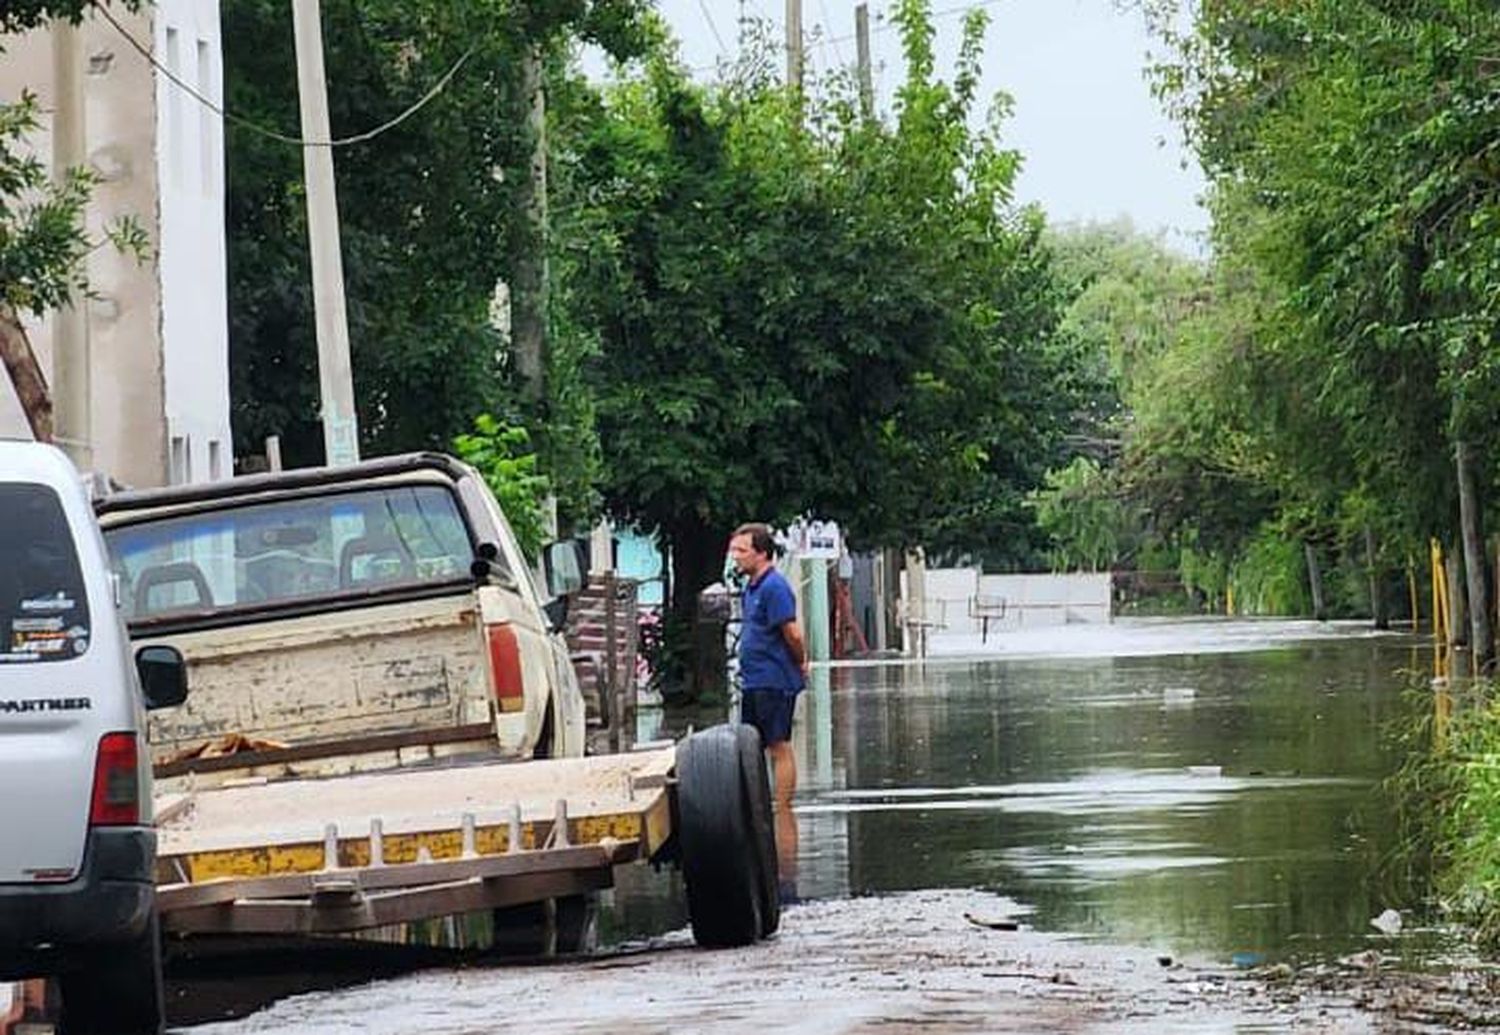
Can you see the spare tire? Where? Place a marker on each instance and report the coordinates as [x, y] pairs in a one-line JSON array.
[[756, 775], [717, 840]]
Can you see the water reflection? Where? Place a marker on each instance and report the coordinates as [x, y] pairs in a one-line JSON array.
[[1224, 804]]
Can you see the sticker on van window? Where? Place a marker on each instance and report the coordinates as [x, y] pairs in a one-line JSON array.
[[25, 625], [39, 642], [59, 601]]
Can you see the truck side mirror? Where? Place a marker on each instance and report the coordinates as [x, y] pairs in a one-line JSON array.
[[556, 611], [163, 676], [564, 568]]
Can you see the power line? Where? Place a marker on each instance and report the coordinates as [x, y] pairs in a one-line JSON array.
[[947, 12], [254, 127], [712, 27], [828, 23]]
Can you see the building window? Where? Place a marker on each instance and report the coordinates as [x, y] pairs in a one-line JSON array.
[[174, 111], [207, 139], [214, 469], [182, 460]]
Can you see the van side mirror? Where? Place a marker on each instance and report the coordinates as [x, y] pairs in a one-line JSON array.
[[563, 564], [163, 676]]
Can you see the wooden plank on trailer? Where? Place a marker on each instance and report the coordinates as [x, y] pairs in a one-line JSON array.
[[174, 897], [477, 734], [406, 905]]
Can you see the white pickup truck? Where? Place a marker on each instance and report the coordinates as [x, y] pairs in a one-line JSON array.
[[342, 619]]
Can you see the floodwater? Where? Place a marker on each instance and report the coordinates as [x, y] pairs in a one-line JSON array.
[[1221, 803], [1042, 830]]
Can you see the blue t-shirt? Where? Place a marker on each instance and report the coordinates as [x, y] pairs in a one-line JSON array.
[[766, 662]]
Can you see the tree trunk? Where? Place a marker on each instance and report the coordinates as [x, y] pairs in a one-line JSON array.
[[1470, 508], [1315, 581], [26, 374], [1458, 599], [1377, 599], [697, 562]]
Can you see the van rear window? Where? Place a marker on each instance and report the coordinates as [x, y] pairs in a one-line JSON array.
[[44, 611]]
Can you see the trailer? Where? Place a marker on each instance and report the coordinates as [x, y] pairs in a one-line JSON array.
[[353, 853]]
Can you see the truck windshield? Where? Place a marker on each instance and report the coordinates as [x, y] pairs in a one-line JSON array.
[[44, 611], [267, 555]]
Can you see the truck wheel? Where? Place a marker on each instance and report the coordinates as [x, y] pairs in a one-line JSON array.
[[718, 844], [118, 991], [757, 778]]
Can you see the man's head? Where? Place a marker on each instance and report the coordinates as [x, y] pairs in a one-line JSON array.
[[752, 548]]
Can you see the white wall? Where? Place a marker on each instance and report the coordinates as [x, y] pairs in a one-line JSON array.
[[1031, 601], [158, 330], [1037, 600], [194, 277], [947, 596], [124, 318]]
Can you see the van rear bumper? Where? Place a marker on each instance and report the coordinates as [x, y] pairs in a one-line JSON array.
[[44, 926]]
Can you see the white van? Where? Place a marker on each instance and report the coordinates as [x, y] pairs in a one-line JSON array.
[[77, 848]]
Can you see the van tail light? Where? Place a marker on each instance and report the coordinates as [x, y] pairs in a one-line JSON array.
[[117, 782], [506, 680]]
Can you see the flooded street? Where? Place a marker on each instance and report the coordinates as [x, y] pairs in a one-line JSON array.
[[1089, 842]]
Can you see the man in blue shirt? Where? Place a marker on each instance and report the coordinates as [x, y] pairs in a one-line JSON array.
[[773, 655]]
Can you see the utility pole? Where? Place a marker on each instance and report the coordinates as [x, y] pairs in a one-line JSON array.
[[73, 426], [335, 374], [794, 48], [529, 297], [862, 42]]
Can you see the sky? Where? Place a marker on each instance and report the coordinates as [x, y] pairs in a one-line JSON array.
[[1096, 144]]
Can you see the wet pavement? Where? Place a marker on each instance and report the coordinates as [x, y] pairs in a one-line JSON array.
[[1178, 839]]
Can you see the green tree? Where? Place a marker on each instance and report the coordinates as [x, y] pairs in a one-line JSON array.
[[427, 213], [802, 310], [503, 455], [1346, 146]]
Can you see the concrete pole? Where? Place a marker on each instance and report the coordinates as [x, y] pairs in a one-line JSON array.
[[794, 65], [862, 42], [601, 549], [916, 603], [529, 298], [817, 610], [72, 417], [335, 372]]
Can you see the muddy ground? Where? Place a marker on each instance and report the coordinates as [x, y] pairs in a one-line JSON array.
[[927, 962]]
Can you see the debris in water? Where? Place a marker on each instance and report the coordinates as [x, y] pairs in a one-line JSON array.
[[993, 925], [1388, 922]]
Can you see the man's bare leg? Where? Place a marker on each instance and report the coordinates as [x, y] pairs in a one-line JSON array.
[[784, 765]]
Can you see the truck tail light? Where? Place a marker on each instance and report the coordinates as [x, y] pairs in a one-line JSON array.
[[505, 668], [117, 783]]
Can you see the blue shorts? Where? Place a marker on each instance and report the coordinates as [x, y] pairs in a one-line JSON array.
[[770, 712]]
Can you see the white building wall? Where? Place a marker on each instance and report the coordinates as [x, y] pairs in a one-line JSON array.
[[194, 275], [158, 328]]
